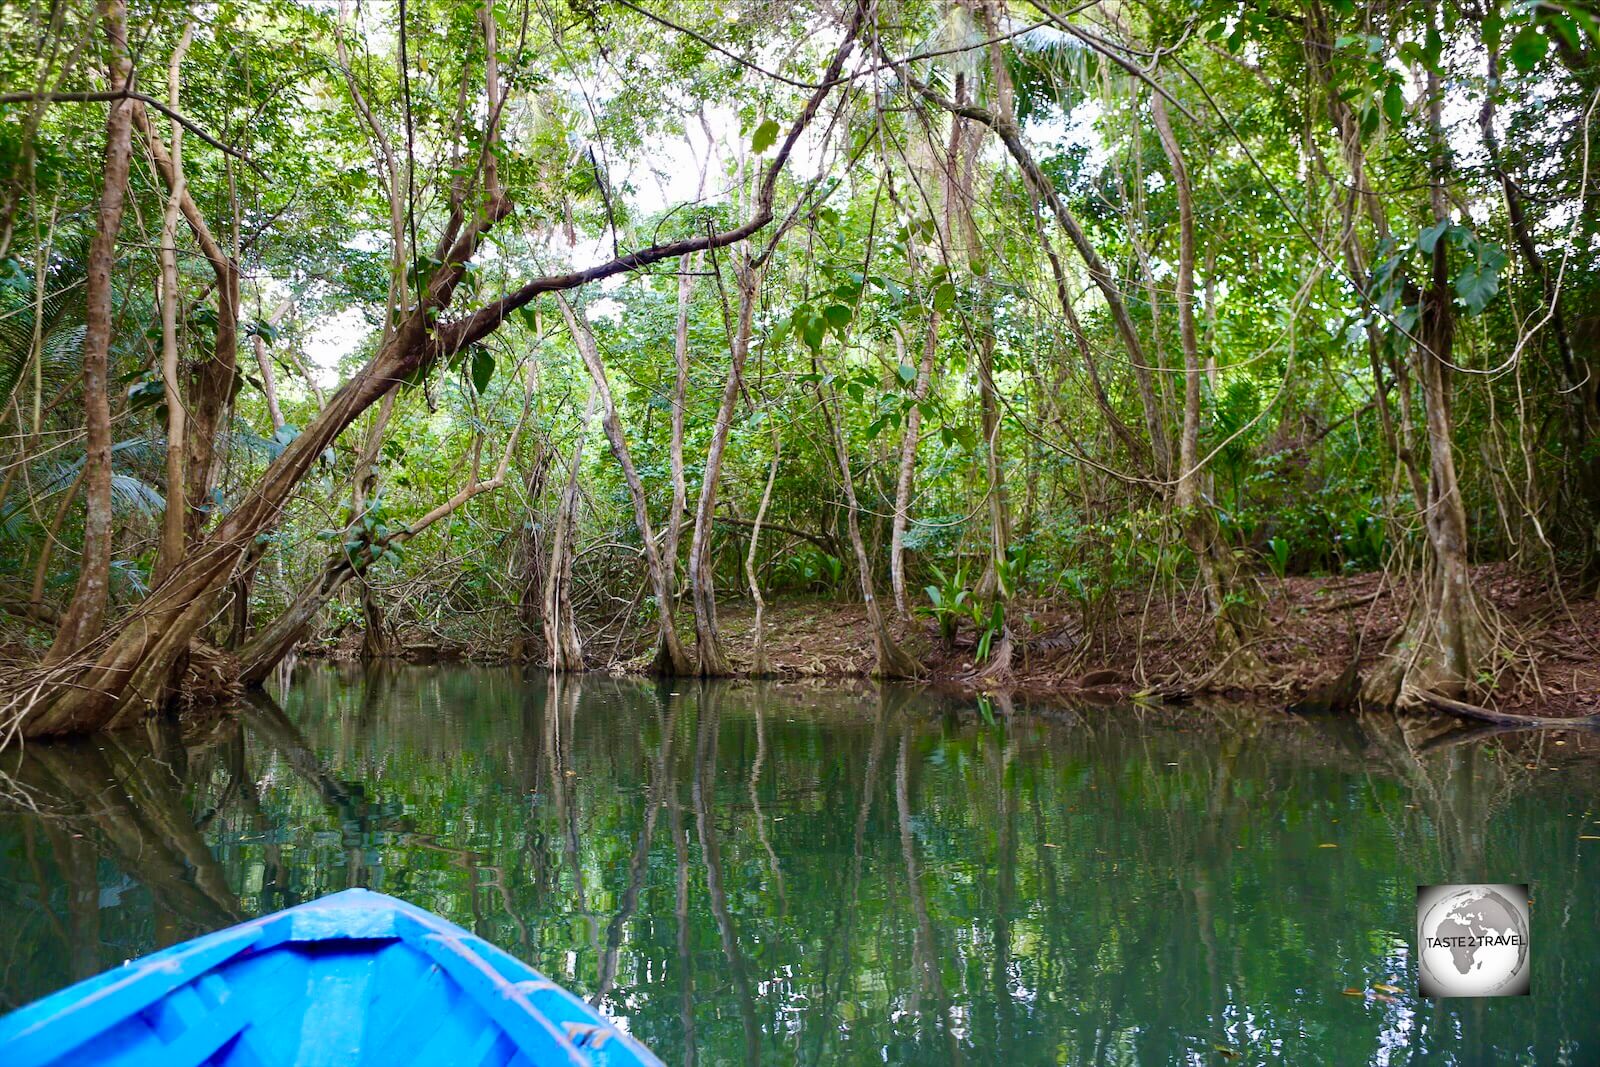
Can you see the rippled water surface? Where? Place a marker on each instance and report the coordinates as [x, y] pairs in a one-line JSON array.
[[784, 874]]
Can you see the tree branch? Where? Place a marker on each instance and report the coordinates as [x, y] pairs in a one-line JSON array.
[[130, 94]]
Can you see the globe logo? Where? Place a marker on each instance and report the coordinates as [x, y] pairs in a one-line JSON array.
[[1472, 940]]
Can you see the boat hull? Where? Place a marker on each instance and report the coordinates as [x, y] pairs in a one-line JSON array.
[[355, 978]]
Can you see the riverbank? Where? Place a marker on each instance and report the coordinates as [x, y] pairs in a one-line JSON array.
[[1314, 637]]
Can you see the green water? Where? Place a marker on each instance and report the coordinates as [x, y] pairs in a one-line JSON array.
[[807, 875]]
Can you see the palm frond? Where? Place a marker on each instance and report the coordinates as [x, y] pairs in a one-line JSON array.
[[60, 319], [132, 494]]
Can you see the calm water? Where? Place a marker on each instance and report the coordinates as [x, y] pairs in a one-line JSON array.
[[793, 875]]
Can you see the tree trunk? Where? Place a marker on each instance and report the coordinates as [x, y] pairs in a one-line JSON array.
[[712, 660], [172, 543], [759, 667], [1444, 641], [561, 640], [277, 639], [374, 639], [85, 617], [208, 392], [892, 660], [999, 505], [530, 594], [269, 379], [680, 398], [241, 591], [375, 643], [1201, 531], [670, 657], [906, 480]]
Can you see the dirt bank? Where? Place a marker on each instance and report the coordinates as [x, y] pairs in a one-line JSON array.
[[1311, 632], [1315, 636]]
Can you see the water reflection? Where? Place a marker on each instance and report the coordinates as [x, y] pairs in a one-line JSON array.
[[779, 874]]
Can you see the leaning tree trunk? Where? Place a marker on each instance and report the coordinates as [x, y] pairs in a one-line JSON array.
[[712, 660], [85, 617], [278, 639], [670, 657]]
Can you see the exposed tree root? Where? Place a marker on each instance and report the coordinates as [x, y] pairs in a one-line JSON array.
[[1500, 718]]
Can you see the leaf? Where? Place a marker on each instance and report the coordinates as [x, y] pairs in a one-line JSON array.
[[838, 316], [908, 373], [1394, 104], [1479, 282], [148, 391], [1352, 991], [944, 297], [812, 329], [1430, 236], [482, 369], [1566, 27], [765, 136], [1433, 49], [1528, 48]]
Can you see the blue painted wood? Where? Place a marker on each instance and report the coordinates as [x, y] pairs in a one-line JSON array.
[[356, 978]]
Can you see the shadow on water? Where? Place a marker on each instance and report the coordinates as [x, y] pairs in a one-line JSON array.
[[773, 873]]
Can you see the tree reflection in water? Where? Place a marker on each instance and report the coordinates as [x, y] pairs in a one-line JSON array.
[[778, 873]]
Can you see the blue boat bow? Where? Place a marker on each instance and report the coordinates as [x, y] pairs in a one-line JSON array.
[[355, 978]]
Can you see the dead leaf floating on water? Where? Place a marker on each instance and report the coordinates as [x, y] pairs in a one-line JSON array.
[[1225, 1052], [1382, 988], [1352, 991], [1328, 846]]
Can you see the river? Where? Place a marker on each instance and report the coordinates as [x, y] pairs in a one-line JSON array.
[[779, 873]]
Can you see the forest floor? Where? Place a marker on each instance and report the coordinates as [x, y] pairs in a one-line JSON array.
[[1310, 633]]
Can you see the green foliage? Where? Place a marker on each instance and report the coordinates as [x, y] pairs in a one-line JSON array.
[[949, 602]]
